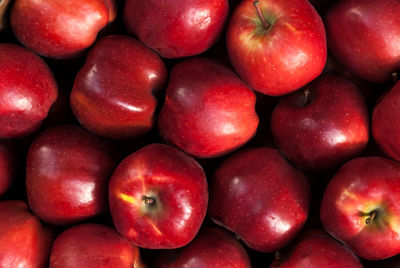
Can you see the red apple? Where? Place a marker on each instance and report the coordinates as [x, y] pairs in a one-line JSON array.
[[93, 246], [67, 172], [259, 196], [208, 111], [58, 28], [276, 46], [213, 247], [365, 35], [385, 126], [27, 91], [24, 241], [8, 164], [158, 197], [317, 250], [361, 207], [176, 28], [112, 94], [323, 125]]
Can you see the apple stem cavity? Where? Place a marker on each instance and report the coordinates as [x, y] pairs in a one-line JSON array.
[[264, 22], [149, 201], [371, 218]]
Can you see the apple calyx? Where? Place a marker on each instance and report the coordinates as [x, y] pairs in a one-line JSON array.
[[149, 201], [371, 217], [266, 25]]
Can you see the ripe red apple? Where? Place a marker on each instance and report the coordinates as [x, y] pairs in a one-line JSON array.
[[24, 241], [385, 127], [208, 111], [67, 172], [317, 250], [27, 91], [259, 196], [176, 28], [365, 35], [158, 197], [213, 247], [112, 94], [322, 125], [361, 207], [8, 164], [276, 46], [58, 28], [93, 246]]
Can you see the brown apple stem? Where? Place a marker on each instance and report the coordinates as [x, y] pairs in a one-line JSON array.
[[307, 96], [265, 23], [149, 200], [277, 255], [371, 218], [395, 77]]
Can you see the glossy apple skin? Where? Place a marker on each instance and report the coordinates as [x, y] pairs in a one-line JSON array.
[[282, 59], [8, 164], [176, 28], [112, 94], [332, 128], [317, 249], [60, 29], [385, 123], [212, 247], [24, 241], [364, 35], [208, 111], [67, 172], [27, 91], [361, 186], [259, 196], [93, 246], [178, 187]]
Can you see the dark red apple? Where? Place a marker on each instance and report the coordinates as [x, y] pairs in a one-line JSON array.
[[317, 250], [24, 241], [112, 94], [213, 247], [322, 125], [158, 197], [365, 35], [276, 46], [8, 164], [176, 28], [67, 172], [208, 111], [58, 28], [361, 207], [385, 123], [27, 91], [93, 246], [259, 196]]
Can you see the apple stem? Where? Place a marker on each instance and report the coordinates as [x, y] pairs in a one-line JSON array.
[[307, 96], [149, 200], [264, 22], [395, 77], [371, 218], [277, 255]]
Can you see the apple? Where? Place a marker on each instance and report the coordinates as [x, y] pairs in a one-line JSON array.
[[385, 127], [322, 125], [360, 207], [92, 246], [176, 28], [315, 250], [259, 196], [364, 35], [60, 29], [8, 164], [5, 6], [208, 111], [27, 91], [213, 247], [112, 94], [67, 172], [158, 197], [24, 240], [276, 46]]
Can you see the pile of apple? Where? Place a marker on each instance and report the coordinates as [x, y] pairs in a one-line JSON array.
[[199, 133]]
